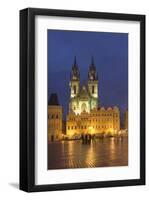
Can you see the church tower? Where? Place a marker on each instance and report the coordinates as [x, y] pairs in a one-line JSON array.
[[74, 87], [74, 80], [93, 85]]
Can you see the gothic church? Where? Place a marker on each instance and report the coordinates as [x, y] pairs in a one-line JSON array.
[[83, 98]]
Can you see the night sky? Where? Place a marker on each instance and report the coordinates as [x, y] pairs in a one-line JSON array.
[[110, 51]]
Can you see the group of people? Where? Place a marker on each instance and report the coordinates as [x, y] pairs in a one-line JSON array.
[[86, 138]]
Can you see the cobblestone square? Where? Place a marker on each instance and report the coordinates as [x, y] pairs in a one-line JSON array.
[[105, 152]]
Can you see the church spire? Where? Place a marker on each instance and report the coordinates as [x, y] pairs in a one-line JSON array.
[[92, 66], [75, 71], [92, 74], [74, 66], [75, 61], [92, 61]]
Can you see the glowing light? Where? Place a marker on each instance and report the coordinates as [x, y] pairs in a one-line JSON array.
[[90, 129], [71, 133], [111, 130]]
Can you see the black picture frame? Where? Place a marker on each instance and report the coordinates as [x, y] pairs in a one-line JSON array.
[[27, 99]]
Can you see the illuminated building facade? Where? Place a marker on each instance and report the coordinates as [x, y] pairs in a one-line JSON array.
[[54, 118], [126, 120], [98, 121], [85, 115]]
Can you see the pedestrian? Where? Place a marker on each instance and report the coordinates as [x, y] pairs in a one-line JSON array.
[[89, 138], [82, 138], [86, 138]]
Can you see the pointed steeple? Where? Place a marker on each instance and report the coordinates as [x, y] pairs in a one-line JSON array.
[[92, 75], [92, 66], [75, 61], [75, 71], [92, 62], [75, 66]]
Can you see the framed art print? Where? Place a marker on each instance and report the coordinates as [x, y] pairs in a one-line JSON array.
[[82, 99]]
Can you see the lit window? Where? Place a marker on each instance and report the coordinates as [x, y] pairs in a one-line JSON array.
[[93, 89], [74, 89]]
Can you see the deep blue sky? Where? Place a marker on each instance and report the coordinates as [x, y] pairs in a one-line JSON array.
[[110, 51]]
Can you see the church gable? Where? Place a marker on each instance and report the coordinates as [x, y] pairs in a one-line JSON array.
[[84, 92]]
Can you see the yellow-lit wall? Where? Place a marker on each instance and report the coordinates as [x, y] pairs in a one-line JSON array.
[[96, 122], [126, 119], [95, 84], [73, 83], [54, 122]]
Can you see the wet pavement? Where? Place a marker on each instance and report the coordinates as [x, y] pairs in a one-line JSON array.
[[99, 153]]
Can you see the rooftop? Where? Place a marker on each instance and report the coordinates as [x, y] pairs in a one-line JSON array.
[[53, 101]]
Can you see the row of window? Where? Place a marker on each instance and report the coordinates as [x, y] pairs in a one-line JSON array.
[[105, 115], [53, 116], [75, 90], [94, 120], [102, 120], [85, 127]]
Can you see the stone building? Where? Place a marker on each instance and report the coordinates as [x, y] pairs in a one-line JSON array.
[[126, 120], [54, 118], [85, 114], [97, 121]]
